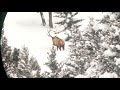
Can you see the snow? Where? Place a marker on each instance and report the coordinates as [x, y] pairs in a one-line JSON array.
[[80, 76], [93, 64], [112, 46], [29, 32], [108, 75], [67, 20], [114, 75], [118, 47], [13, 75], [109, 53], [91, 72], [117, 61], [34, 72], [25, 28], [102, 38], [84, 25], [20, 32], [103, 27], [113, 17], [104, 44]]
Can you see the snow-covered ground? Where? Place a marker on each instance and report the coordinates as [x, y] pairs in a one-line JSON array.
[[25, 28]]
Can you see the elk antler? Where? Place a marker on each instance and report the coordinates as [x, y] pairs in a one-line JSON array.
[[49, 33]]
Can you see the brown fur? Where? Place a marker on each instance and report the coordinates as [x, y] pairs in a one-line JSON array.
[[59, 43]]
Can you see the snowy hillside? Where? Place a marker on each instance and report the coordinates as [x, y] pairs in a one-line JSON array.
[[25, 28], [29, 31]]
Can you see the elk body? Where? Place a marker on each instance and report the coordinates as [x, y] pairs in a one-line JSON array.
[[59, 43]]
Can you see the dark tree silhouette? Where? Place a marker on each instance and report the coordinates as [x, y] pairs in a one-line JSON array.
[[50, 20], [43, 19], [2, 17]]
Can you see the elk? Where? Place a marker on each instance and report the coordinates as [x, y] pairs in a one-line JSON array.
[[59, 43]]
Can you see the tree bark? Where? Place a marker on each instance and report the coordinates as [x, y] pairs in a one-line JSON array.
[[50, 20], [43, 19]]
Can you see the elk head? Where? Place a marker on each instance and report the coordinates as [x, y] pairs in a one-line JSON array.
[[59, 43]]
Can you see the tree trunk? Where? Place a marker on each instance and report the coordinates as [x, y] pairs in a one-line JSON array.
[[50, 20], [43, 19]]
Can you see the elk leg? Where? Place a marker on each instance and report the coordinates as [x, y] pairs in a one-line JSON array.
[[60, 48], [57, 48], [63, 47]]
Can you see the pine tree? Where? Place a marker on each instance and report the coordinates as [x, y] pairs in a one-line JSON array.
[[16, 63], [87, 53], [55, 67], [15, 56], [23, 64], [15, 59], [67, 19], [75, 48], [75, 60], [34, 67], [103, 42], [8, 63], [52, 63], [7, 59], [113, 38], [28, 67]]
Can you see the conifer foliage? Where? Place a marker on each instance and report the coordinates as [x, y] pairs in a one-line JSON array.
[[17, 62], [94, 51], [52, 63]]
